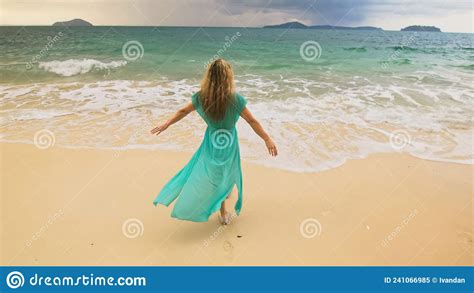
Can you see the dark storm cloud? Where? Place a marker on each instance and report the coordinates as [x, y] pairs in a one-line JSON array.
[[320, 11], [344, 12]]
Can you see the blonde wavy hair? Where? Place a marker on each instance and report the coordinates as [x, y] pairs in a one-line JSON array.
[[217, 89]]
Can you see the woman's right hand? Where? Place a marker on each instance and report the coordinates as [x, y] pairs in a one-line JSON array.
[[272, 149], [160, 128]]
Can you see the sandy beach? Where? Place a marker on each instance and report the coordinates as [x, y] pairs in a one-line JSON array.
[[94, 207]]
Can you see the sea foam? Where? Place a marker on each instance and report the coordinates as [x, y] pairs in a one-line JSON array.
[[78, 66], [317, 125]]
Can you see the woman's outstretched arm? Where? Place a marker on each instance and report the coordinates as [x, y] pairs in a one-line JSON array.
[[247, 115], [180, 114]]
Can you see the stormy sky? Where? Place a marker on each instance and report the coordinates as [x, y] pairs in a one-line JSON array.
[[449, 15]]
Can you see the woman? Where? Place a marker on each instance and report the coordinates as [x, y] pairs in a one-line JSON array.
[[206, 181]]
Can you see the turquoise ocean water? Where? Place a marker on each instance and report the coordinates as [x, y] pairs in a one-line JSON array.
[[325, 95]]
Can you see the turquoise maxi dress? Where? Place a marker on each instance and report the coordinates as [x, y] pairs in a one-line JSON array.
[[213, 171]]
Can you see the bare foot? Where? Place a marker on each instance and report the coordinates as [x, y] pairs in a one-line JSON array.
[[225, 220]]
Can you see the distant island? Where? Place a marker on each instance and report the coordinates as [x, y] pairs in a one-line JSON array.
[[299, 25], [420, 28], [293, 24], [74, 22]]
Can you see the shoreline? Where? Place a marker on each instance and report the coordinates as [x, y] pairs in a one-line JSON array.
[[94, 207], [152, 148], [323, 124]]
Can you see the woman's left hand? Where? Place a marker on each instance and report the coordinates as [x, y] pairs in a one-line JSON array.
[[159, 129]]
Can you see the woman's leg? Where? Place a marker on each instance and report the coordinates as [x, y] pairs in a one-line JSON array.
[[223, 210]]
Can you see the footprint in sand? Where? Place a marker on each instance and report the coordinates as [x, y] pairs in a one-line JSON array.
[[466, 240], [229, 250], [228, 247], [327, 211]]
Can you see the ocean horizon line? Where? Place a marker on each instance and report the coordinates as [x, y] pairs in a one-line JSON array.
[[221, 27]]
